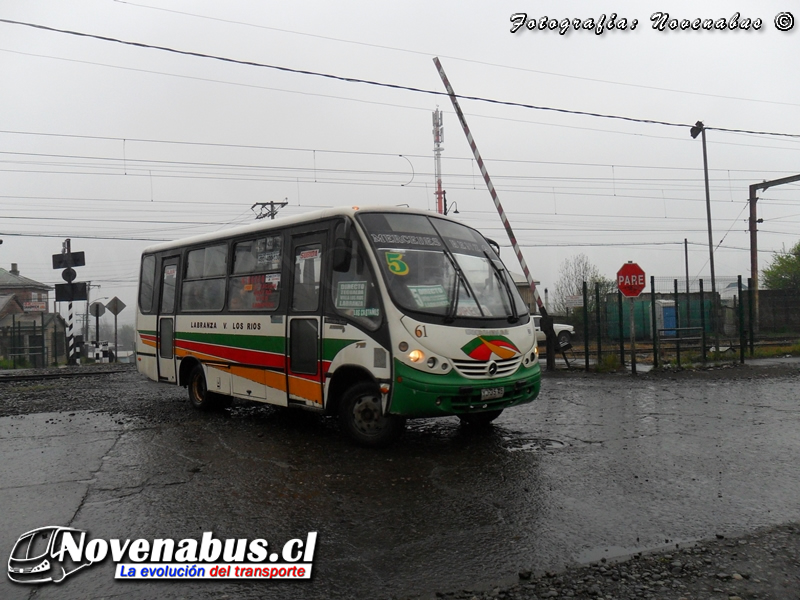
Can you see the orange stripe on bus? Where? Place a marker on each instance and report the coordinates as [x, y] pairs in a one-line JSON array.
[[309, 390]]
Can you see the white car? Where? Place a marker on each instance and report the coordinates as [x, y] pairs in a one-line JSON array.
[[564, 333]]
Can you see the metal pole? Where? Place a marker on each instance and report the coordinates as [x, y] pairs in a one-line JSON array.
[[621, 333], [714, 297], [702, 320], [753, 228], [751, 319], [686, 260], [741, 320], [13, 341], [116, 348], [599, 329], [655, 323], [752, 223], [677, 327], [633, 339], [586, 325]]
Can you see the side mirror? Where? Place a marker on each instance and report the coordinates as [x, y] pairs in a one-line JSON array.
[[342, 254], [494, 245]]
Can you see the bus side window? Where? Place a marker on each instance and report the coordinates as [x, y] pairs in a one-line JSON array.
[[203, 288], [255, 283], [148, 278]]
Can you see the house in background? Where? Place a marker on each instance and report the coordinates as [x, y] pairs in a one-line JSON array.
[[30, 335]]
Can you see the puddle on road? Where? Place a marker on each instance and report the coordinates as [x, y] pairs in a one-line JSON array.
[[527, 444]]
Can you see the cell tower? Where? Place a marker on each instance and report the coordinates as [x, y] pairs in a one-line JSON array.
[[438, 140]]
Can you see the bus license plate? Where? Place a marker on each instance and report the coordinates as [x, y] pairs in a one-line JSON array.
[[492, 393]]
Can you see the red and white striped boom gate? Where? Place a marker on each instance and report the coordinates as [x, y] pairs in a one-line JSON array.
[[492, 191]]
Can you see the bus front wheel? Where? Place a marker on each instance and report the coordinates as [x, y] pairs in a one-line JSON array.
[[199, 395], [361, 417]]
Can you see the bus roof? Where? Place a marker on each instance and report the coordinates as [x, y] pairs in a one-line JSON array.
[[271, 225]]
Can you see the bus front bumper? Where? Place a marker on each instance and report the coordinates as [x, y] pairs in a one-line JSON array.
[[419, 394]]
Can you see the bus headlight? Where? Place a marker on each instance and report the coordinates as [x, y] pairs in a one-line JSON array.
[[416, 355]]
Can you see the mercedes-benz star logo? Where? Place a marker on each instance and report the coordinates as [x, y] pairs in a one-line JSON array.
[[492, 368]]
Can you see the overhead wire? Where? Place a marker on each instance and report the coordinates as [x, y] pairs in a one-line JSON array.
[[381, 84], [450, 57]]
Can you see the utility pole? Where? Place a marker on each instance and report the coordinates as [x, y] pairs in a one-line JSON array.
[[753, 227], [699, 128], [438, 140], [274, 207]]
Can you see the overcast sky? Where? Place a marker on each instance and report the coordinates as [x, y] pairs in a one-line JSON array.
[[118, 146]]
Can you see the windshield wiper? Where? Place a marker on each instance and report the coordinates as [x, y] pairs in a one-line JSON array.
[[501, 275], [453, 306]]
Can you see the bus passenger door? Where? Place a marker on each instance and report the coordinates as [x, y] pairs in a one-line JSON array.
[[303, 344], [166, 319]]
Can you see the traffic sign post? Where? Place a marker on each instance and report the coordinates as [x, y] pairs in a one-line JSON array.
[[97, 311], [115, 306], [631, 282]]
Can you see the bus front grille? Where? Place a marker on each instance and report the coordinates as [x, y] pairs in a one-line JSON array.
[[482, 369]]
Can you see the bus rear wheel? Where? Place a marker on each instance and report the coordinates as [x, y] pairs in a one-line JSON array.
[[362, 418], [481, 419], [199, 395]]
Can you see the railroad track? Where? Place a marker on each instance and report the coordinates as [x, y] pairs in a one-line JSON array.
[[32, 375]]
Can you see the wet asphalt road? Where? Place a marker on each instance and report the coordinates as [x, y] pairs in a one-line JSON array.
[[598, 466]]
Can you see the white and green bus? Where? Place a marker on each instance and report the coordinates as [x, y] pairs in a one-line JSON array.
[[375, 315]]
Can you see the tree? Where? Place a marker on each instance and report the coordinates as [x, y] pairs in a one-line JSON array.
[[573, 272], [783, 273]]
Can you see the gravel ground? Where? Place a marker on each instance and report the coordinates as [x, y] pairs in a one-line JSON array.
[[761, 565]]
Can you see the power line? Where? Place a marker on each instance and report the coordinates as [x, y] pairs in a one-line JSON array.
[[393, 86], [428, 54]]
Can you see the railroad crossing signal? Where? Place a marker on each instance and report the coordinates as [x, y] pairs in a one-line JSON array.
[[69, 259], [630, 280], [70, 291]]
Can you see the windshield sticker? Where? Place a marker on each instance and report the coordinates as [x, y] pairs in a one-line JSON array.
[[483, 347], [396, 266], [467, 307], [405, 239], [466, 245], [309, 254], [351, 294], [429, 296], [366, 312]]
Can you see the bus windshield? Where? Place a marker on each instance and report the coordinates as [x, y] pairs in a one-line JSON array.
[[441, 268]]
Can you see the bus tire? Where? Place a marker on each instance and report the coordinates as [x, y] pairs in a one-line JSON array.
[[361, 417], [199, 395], [481, 419]]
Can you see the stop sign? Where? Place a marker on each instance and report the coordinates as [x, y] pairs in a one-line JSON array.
[[630, 280]]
